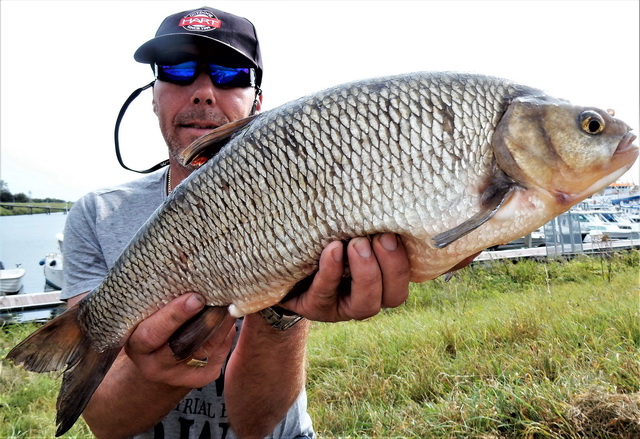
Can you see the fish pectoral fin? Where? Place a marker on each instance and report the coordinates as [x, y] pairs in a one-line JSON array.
[[203, 148], [196, 331], [58, 343], [492, 199]]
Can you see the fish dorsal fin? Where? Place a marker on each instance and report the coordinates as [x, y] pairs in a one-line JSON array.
[[493, 197], [205, 147]]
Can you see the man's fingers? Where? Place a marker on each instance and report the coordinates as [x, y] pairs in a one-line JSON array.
[[366, 286], [154, 332], [331, 269], [392, 257]]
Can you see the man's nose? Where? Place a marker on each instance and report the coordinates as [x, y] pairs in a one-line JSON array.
[[204, 91]]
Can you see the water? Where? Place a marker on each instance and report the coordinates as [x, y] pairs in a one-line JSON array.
[[25, 240]]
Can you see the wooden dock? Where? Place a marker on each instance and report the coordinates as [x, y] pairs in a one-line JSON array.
[[22, 302], [543, 252]]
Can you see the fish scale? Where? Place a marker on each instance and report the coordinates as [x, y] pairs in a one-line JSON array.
[[453, 163]]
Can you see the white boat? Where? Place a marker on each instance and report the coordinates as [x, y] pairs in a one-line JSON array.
[[609, 224], [52, 265], [11, 279]]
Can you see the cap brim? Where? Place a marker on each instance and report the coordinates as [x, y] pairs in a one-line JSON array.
[[163, 49]]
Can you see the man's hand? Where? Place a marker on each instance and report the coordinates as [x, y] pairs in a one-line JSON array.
[[148, 349], [379, 272]]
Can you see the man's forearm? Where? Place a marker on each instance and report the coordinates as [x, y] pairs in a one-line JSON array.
[[120, 407], [265, 375]]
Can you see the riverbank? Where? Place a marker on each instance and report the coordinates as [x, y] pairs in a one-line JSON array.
[[502, 350], [8, 209]]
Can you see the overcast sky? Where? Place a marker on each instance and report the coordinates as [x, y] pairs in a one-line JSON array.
[[67, 67]]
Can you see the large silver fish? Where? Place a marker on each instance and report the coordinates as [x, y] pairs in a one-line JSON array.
[[454, 163]]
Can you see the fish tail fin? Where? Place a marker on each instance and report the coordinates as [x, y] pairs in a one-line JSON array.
[[58, 344]]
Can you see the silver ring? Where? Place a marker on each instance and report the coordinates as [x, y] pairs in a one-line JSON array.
[[194, 362]]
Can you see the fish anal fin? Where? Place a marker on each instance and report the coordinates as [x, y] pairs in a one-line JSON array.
[[208, 145], [79, 382], [196, 331], [495, 194]]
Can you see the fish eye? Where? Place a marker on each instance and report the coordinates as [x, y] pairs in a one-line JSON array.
[[591, 122]]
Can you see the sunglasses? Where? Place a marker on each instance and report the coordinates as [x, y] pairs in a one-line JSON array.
[[186, 73]]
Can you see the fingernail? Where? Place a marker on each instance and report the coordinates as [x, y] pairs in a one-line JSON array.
[[337, 253], [389, 241], [194, 303], [363, 247]]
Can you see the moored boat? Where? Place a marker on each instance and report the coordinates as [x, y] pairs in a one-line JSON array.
[[11, 279], [52, 265]]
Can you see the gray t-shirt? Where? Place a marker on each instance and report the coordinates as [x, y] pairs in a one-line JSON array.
[[98, 228]]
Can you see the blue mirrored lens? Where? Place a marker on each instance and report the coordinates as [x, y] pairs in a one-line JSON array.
[[229, 76], [186, 72]]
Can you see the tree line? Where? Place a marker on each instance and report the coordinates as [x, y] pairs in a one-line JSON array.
[[6, 196]]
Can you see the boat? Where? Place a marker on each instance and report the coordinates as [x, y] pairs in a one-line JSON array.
[[11, 279], [619, 194], [52, 265], [606, 224]]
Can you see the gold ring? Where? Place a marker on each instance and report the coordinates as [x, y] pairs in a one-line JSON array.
[[194, 362]]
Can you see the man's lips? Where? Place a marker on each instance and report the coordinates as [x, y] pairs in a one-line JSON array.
[[199, 126]]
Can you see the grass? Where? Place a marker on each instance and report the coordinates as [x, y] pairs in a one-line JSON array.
[[28, 400], [527, 350], [25, 208]]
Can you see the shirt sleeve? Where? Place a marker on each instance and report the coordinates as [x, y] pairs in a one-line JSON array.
[[84, 262]]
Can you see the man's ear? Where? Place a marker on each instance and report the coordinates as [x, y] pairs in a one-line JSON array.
[[154, 104]]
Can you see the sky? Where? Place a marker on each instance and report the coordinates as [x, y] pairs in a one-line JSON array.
[[67, 67]]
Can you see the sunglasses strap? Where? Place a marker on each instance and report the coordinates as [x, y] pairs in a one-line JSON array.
[[123, 110]]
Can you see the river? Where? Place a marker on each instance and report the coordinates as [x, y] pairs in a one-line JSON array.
[[25, 240]]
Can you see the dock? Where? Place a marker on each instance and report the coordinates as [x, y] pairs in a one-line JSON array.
[[32, 301], [565, 250]]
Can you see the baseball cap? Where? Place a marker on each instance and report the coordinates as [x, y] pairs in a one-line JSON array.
[[231, 40]]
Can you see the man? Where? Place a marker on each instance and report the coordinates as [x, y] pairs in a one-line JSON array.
[[208, 72]]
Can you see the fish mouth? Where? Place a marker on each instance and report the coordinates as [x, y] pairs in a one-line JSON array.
[[626, 144]]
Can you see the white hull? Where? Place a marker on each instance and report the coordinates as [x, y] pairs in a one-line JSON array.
[[52, 265], [11, 280]]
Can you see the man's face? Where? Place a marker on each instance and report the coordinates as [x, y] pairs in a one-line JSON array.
[[187, 112]]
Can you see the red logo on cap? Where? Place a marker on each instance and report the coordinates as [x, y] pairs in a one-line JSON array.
[[200, 21]]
